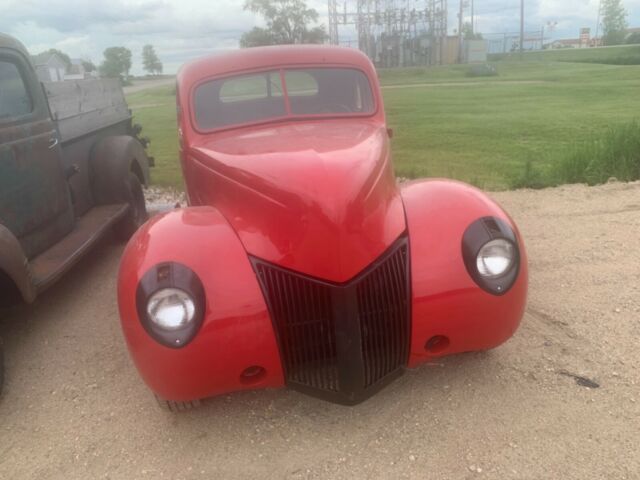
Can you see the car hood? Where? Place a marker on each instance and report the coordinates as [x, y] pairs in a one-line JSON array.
[[319, 197]]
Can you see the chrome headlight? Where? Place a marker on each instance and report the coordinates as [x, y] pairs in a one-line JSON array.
[[170, 301], [491, 254], [171, 308], [495, 258]]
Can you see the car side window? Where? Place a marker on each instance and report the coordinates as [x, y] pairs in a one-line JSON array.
[[15, 100]]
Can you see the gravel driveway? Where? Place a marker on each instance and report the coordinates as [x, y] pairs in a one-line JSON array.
[[74, 407]]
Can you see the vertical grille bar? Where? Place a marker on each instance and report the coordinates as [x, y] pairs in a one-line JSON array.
[[384, 317]]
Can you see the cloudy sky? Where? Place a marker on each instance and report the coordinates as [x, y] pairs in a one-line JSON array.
[[184, 29]]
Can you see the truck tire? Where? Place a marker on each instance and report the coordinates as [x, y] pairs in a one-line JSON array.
[[175, 407], [137, 213]]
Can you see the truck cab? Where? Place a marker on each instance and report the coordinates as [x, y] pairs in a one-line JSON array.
[[71, 169]]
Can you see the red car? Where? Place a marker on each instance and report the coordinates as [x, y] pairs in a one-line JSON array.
[[300, 261]]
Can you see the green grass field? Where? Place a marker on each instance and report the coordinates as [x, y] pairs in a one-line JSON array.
[[618, 55], [481, 130]]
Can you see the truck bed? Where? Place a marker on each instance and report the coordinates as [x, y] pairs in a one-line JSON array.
[[81, 107]]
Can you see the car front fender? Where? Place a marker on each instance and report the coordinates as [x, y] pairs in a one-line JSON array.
[[450, 312], [236, 333]]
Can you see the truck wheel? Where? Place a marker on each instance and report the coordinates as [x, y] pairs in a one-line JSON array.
[[137, 213], [177, 406]]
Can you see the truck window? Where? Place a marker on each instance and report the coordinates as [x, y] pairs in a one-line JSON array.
[[14, 96]]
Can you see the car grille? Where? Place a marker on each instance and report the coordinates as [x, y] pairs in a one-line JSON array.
[[341, 342]]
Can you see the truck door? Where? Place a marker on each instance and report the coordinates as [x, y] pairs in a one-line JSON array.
[[35, 203]]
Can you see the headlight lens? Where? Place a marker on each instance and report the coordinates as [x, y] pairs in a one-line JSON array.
[[171, 308], [495, 258]]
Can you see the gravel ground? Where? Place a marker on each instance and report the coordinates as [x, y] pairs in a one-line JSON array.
[[74, 407]]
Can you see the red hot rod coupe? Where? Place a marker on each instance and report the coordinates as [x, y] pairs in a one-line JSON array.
[[300, 261]]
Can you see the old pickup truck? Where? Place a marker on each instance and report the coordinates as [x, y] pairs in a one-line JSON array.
[[71, 170]]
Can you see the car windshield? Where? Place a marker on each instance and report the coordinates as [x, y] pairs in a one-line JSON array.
[[261, 96]]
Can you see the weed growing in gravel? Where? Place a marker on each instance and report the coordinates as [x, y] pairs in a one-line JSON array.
[[616, 153]]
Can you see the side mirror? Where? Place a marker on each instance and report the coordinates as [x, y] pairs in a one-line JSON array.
[[390, 132]]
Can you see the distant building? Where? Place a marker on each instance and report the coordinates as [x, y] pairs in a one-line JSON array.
[[631, 31], [49, 67], [566, 43], [77, 71]]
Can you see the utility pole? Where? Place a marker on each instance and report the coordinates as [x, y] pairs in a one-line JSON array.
[[473, 26], [460, 31], [333, 22], [598, 24], [521, 26]]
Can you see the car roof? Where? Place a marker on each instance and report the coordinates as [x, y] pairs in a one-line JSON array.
[[260, 58]]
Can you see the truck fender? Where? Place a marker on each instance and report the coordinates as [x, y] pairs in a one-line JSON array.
[[234, 346], [14, 264], [450, 312], [112, 160]]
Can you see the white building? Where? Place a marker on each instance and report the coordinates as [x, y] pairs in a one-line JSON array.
[[50, 67]]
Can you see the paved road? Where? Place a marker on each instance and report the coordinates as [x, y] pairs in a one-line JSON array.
[[139, 85], [74, 407]]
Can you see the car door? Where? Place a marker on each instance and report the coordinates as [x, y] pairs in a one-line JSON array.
[[35, 203]]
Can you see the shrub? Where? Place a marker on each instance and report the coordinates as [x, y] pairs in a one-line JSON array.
[[484, 70]]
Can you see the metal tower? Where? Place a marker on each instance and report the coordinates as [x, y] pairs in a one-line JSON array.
[[333, 22]]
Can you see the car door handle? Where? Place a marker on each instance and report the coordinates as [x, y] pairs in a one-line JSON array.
[[53, 141]]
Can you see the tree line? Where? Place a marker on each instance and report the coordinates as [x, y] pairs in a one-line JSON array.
[[116, 62]]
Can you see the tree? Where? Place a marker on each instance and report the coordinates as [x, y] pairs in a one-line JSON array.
[[150, 60], [88, 66], [287, 22], [117, 61], [468, 33], [614, 22]]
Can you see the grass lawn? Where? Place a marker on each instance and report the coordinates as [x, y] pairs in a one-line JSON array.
[[618, 55], [481, 130]]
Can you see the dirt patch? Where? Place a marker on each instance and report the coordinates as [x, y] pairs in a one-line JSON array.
[[74, 406]]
